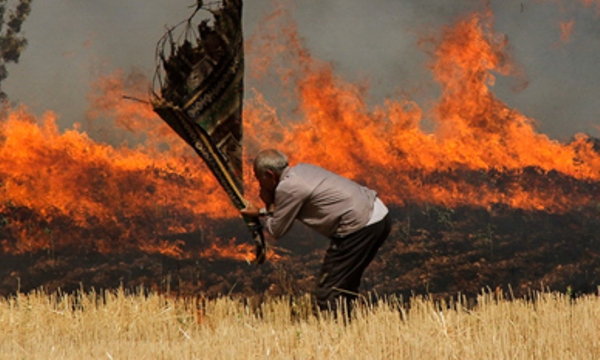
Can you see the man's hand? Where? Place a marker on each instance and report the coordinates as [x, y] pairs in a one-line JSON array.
[[250, 210]]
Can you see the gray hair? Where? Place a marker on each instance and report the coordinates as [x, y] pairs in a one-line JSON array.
[[270, 159]]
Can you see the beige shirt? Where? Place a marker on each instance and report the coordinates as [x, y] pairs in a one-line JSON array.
[[329, 203]]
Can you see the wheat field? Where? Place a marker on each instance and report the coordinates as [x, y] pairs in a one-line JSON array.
[[118, 325]]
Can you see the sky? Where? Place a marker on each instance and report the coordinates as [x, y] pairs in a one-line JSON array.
[[72, 42]]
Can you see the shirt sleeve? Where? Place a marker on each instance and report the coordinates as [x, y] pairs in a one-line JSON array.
[[289, 199]]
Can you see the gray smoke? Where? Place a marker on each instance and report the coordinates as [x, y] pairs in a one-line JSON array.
[[11, 43], [376, 42]]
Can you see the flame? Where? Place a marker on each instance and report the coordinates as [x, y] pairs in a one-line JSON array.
[[476, 134], [566, 29], [589, 3], [69, 191], [240, 252]]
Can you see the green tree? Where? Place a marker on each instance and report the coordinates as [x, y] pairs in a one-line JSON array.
[[11, 43]]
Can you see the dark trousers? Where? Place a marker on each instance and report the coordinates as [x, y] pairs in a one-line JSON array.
[[344, 264]]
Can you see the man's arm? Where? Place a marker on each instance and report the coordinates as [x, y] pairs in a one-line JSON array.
[[282, 212], [267, 197], [285, 209]]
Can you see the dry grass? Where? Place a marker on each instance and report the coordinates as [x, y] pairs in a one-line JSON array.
[[114, 325]]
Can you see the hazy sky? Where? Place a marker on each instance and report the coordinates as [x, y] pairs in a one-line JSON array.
[[72, 41]]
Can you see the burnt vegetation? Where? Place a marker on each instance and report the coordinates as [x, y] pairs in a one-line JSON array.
[[433, 250]]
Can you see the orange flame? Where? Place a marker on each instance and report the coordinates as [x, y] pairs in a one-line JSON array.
[[566, 29], [241, 252], [589, 3], [386, 148], [65, 190]]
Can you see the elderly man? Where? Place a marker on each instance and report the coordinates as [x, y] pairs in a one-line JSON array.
[[350, 215]]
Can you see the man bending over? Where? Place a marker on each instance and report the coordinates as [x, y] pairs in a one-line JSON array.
[[350, 215]]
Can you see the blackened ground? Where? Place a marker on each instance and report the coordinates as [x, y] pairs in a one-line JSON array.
[[431, 250]]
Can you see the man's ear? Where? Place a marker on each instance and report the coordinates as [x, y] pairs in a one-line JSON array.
[[271, 174]]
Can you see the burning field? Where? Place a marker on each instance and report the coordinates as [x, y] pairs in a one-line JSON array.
[[480, 200]]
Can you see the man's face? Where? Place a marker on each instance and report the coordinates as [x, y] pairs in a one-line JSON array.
[[268, 181]]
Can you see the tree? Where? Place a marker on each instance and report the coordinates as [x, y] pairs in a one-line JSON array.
[[11, 43]]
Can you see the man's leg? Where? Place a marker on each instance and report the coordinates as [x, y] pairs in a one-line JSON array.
[[345, 262]]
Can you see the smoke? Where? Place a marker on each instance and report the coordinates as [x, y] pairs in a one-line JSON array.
[[374, 43], [11, 43]]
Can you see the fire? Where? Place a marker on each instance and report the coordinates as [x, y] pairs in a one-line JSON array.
[[240, 252], [589, 3], [67, 191], [566, 29], [492, 145]]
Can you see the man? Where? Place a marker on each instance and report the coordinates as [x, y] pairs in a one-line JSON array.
[[350, 215]]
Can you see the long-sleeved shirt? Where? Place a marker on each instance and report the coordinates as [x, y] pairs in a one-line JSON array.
[[329, 203]]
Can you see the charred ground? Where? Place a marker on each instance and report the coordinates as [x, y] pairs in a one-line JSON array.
[[432, 250]]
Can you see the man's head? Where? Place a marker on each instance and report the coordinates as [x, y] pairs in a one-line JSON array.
[[268, 166]]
